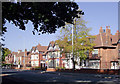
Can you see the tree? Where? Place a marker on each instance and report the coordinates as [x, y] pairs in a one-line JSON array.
[[81, 40], [45, 16], [5, 52]]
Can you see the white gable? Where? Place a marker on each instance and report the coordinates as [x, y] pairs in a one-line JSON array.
[[56, 47], [50, 47]]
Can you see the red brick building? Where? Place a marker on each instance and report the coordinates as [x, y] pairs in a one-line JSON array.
[[107, 50], [19, 58], [38, 55]]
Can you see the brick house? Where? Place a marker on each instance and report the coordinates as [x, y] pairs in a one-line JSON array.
[[38, 55], [106, 51], [54, 56], [18, 58]]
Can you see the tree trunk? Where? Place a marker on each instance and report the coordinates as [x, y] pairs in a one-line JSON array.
[[73, 63]]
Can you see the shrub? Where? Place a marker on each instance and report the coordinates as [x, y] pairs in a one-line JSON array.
[[37, 68], [6, 64], [60, 67]]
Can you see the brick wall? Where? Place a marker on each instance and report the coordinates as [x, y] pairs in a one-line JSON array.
[[92, 71]]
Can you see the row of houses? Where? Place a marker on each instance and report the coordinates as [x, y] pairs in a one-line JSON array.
[[106, 54]]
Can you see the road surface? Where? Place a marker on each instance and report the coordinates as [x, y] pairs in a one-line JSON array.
[[28, 76]]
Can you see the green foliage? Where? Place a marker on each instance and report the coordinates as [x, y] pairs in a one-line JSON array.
[[60, 67], [6, 64], [5, 52], [45, 16], [81, 39], [37, 67]]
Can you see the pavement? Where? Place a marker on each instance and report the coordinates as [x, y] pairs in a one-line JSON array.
[[37, 76]]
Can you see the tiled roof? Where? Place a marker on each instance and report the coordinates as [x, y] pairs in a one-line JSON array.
[[115, 37], [20, 54], [14, 53], [42, 48], [101, 40]]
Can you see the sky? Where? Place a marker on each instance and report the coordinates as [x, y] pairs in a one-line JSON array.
[[96, 14]]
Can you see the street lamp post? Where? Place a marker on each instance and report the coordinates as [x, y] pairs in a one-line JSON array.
[[61, 56]]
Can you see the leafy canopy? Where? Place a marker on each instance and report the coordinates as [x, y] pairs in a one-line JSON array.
[[45, 16], [5, 52], [81, 39]]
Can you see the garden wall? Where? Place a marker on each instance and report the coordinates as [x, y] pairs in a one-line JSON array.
[[94, 71]]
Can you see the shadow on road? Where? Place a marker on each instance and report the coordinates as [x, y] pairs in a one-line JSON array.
[[42, 77]]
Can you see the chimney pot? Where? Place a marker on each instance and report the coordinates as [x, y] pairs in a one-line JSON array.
[[117, 31], [100, 30]]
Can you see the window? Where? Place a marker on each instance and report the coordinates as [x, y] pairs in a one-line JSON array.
[[54, 55], [50, 54], [43, 57], [95, 53]]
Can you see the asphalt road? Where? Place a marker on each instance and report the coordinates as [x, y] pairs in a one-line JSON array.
[[24, 77]]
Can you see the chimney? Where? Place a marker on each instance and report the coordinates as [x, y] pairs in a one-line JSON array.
[[25, 52], [39, 44], [100, 30], [117, 32], [108, 33]]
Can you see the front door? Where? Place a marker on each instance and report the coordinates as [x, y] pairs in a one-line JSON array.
[[52, 64]]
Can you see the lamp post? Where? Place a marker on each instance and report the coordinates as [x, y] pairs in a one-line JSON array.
[[61, 56]]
